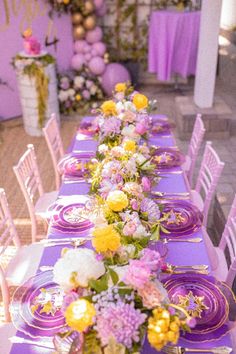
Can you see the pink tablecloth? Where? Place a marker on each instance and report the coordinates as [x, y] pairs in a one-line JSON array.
[[173, 43]]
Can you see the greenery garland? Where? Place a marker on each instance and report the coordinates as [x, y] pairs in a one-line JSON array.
[[34, 69]]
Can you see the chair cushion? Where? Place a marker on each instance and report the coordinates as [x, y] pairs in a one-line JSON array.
[[24, 264], [197, 199], [42, 204]]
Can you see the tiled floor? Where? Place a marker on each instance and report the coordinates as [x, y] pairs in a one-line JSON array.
[[13, 141]]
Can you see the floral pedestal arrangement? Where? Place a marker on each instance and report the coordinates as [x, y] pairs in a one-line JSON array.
[[37, 84]]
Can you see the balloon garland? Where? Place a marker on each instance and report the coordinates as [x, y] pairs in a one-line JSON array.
[[93, 74]]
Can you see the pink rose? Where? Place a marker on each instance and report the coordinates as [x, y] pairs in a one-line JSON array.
[[129, 228], [134, 204], [140, 128], [146, 184], [151, 295]]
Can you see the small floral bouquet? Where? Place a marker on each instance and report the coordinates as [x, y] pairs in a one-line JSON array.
[[79, 93], [126, 115], [110, 309]]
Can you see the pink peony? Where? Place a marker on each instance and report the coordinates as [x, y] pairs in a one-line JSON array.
[[140, 128], [137, 274], [134, 204], [129, 228], [152, 259], [32, 46], [152, 294]]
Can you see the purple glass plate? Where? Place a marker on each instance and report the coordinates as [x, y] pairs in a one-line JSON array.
[[217, 298], [63, 221], [73, 165], [87, 128], [33, 322], [166, 158], [184, 220], [160, 127]]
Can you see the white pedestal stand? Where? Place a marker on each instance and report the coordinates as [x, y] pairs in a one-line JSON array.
[[29, 98]]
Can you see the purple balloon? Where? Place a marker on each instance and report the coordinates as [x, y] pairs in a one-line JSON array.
[[79, 46], [98, 3], [94, 35], [77, 61], [100, 48], [102, 10], [96, 65], [114, 74]]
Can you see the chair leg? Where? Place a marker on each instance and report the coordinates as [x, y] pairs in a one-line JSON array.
[[5, 296]]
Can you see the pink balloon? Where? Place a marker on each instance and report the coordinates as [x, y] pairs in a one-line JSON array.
[[79, 46], [94, 52], [100, 48], [88, 56], [114, 74], [96, 65], [98, 3], [94, 35], [87, 48], [77, 61]]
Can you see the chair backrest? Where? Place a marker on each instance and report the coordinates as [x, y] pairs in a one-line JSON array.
[[27, 174], [8, 233], [228, 240], [194, 145], [209, 174], [54, 142]]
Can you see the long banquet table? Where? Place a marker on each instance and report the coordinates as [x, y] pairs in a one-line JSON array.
[[179, 253]]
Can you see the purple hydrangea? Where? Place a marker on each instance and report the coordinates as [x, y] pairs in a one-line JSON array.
[[121, 321], [151, 208], [111, 126]]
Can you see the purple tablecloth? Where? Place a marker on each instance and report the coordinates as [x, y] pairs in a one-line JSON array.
[[179, 253], [173, 43]]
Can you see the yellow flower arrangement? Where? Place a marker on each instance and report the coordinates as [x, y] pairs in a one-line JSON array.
[[106, 239], [79, 315], [117, 200], [120, 87], [130, 146], [109, 108], [162, 328], [140, 101]]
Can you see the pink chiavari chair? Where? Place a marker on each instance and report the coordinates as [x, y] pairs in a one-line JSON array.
[[29, 179], [217, 255], [194, 146], [23, 264], [54, 142], [209, 174]]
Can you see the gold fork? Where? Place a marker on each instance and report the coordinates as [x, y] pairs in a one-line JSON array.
[[180, 350]]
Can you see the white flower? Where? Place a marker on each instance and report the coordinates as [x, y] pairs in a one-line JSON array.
[[71, 92], [93, 89], [139, 158], [140, 232], [79, 81], [79, 265], [63, 95], [130, 131], [129, 106], [120, 107], [102, 148], [117, 151]]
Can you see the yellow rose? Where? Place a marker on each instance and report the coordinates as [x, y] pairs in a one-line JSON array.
[[140, 101], [130, 145], [120, 87], [106, 239], [117, 200], [78, 97], [109, 108], [79, 315], [27, 33]]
